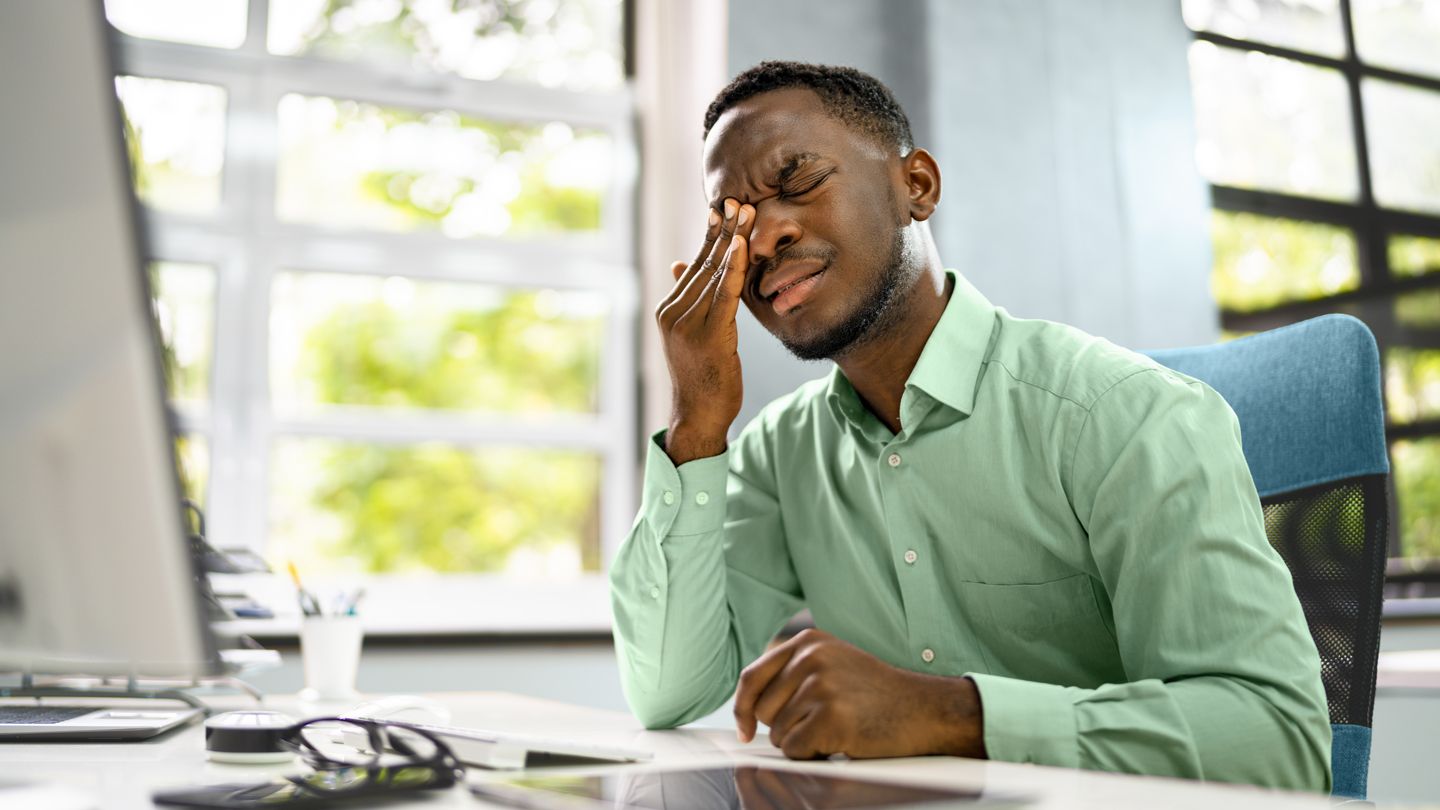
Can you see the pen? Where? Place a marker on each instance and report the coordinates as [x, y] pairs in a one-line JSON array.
[[309, 605], [354, 602]]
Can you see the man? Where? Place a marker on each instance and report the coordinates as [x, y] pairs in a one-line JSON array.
[[1016, 540]]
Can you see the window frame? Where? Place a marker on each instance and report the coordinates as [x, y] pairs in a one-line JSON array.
[[1371, 224], [247, 245]]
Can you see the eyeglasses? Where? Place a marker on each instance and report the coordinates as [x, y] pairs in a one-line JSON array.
[[355, 755]]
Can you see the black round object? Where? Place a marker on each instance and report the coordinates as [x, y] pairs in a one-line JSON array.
[[248, 736]]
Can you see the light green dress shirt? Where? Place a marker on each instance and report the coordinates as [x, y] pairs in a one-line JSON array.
[[1066, 522]]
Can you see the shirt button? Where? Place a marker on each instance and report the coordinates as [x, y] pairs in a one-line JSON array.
[[894, 460], [927, 655], [669, 497], [655, 594], [702, 498], [911, 556]]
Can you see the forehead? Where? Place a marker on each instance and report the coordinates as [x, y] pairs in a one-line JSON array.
[[752, 141]]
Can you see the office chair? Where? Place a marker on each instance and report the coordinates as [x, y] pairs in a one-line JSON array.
[[1312, 426]]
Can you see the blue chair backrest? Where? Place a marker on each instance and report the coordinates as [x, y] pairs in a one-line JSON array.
[[1312, 425]]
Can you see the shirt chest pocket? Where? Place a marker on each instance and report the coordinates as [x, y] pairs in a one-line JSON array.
[[1052, 631]]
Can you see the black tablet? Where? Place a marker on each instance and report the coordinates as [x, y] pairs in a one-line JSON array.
[[743, 787]]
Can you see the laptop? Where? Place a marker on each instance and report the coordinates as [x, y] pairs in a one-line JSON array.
[[96, 575], [44, 723]]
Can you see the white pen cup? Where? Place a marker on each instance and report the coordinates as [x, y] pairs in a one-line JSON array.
[[330, 652]]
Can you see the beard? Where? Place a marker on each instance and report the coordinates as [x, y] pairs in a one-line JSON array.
[[875, 313]]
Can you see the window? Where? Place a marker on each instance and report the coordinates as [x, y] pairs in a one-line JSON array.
[[392, 257], [1317, 122]]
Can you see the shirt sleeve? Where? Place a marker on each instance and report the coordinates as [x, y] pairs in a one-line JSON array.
[[1224, 678], [703, 581]]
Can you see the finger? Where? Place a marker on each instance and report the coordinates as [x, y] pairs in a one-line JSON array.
[[784, 690], [684, 272], [731, 264], [803, 740], [731, 284], [712, 232], [753, 682], [798, 699], [690, 286]]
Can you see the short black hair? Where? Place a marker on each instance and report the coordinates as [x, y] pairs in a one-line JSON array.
[[854, 97]]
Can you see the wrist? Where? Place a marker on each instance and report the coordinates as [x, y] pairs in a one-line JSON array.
[[956, 718], [684, 444]]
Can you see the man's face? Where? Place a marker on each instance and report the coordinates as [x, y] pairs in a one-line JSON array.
[[827, 249]]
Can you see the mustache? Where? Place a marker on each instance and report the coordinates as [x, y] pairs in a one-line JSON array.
[[767, 266]]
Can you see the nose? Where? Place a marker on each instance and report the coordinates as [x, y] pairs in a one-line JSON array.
[[774, 231]]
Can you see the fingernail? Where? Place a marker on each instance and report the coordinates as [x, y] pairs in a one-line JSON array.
[[714, 217], [743, 216], [730, 207]]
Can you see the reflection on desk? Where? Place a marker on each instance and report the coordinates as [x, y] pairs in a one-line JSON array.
[[739, 787]]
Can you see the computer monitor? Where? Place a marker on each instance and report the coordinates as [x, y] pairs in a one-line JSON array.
[[95, 571]]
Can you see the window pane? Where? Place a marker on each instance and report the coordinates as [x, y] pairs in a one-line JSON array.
[[1401, 124], [356, 165], [394, 342], [1415, 470], [345, 507], [1271, 123], [185, 308], [1412, 384], [1414, 255], [1305, 25], [574, 44], [1264, 261], [175, 132], [1399, 34], [192, 455], [217, 23], [1418, 310]]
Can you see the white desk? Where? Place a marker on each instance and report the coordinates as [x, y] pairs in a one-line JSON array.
[[122, 775]]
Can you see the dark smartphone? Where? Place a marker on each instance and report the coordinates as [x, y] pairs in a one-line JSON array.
[[320, 789]]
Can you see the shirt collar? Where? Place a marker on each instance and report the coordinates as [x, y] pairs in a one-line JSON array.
[[950, 364]]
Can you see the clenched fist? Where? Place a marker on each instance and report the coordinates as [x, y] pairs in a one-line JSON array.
[[821, 695]]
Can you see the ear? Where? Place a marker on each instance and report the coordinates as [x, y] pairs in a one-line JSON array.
[[921, 175]]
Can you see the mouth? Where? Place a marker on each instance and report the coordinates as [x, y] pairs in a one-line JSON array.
[[795, 292]]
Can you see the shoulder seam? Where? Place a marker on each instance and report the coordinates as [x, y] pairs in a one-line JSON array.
[[1035, 385]]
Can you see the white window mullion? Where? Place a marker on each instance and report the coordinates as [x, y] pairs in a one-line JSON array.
[[257, 117]]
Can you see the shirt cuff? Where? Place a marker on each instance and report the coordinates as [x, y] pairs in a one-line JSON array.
[[689, 499], [1026, 721]]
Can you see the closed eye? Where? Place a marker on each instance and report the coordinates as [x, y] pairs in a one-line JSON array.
[[802, 189]]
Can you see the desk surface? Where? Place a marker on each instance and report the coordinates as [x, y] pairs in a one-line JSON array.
[[122, 775]]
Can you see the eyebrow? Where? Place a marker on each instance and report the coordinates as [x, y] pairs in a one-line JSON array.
[[793, 162]]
